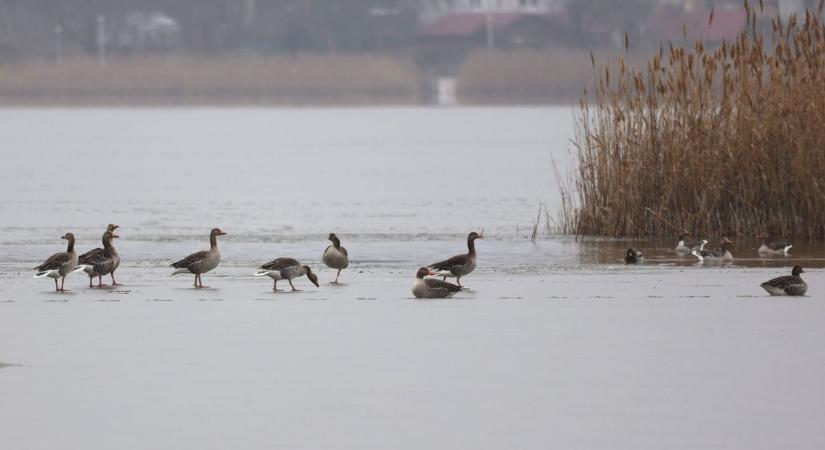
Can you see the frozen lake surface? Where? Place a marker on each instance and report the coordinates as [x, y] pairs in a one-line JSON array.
[[555, 345]]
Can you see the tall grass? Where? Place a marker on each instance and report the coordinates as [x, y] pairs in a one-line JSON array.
[[729, 140]]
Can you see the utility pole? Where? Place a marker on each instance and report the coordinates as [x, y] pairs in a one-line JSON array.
[[58, 43], [101, 39], [488, 16]]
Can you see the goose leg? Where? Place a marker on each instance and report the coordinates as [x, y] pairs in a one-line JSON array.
[[336, 276], [90, 282], [62, 284], [114, 283], [458, 281], [274, 285], [100, 281], [292, 286], [55, 286], [196, 281]]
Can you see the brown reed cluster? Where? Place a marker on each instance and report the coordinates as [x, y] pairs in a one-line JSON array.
[[720, 141]]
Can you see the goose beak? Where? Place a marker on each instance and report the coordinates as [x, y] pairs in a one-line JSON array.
[[430, 272], [115, 236]]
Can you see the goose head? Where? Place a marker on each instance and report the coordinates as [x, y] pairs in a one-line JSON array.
[[335, 241], [216, 232], [423, 272], [312, 277], [727, 244], [112, 227], [797, 270], [68, 236]]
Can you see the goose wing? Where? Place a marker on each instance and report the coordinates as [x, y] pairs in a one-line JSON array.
[[778, 245], [191, 259], [448, 264], [92, 255], [789, 283], [434, 283], [55, 261], [280, 264]]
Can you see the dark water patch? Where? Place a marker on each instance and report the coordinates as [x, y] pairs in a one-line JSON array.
[[314, 299], [556, 297], [159, 300], [56, 301], [5, 365], [367, 298], [7, 301], [694, 296], [511, 298], [208, 299], [106, 300]]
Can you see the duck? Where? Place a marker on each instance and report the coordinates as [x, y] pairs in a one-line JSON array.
[[100, 261], [633, 256], [459, 265], [685, 246], [335, 256], [724, 255], [791, 284], [60, 264], [681, 247], [432, 287], [201, 262], [286, 269], [778, 248]]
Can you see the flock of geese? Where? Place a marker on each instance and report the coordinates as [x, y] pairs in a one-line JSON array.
[[792, 284], [104, 261]]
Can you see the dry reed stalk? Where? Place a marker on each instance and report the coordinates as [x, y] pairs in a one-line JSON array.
[[725, 140]]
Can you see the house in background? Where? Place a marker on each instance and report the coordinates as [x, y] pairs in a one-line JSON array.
[[443, 44]]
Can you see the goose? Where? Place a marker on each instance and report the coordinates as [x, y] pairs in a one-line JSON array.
[[60, 264], [633, 256], [791, 284], [724, 255], [201, 262], [100, 261], [286, 269], [459, 265], [779, 248], [336, 256], [431, 287]]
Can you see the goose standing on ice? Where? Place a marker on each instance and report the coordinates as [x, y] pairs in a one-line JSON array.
[[633, 256], [100, 261], [60, 264], [201, 262], [778, 248], [335, 256], [286, 269], [791, 284], [459, 265], [431, 287], [724, 255]]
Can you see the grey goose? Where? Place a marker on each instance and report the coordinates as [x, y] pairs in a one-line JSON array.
[[201, 262], [60, 264]]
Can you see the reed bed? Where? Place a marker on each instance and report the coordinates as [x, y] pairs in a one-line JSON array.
[[524, 76], [239, 79], [720, 141]]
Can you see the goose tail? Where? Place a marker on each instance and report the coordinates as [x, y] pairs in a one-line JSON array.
[[179, 271]]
